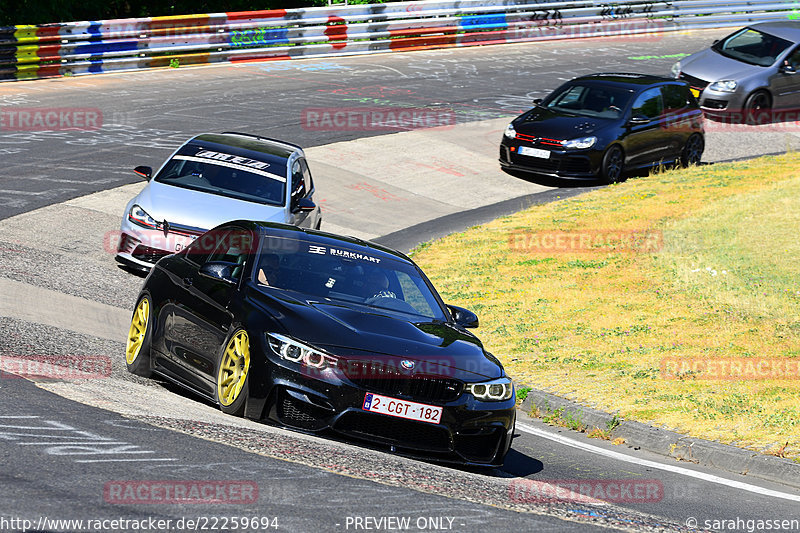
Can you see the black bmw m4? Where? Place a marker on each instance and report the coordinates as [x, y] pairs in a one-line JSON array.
[[323, 333]]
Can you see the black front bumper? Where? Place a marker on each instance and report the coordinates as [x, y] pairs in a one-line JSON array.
[[584, 164], [470, 431]]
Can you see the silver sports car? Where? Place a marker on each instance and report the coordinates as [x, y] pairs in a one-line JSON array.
[[212, 179], [748, 73]]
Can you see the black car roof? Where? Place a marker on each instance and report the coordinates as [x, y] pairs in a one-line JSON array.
[[627, 79], [321, 238], [244, 142]]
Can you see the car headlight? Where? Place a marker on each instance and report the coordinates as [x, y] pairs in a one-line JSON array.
[[297, 352], [497, 390], [140, 217], [510, 131], [583, 142], [724, 86], [676, 69]]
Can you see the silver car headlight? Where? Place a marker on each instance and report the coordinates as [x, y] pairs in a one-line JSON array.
[[583, 142], [676, 69], [140, 217], [497, 390], [297, 352], [510, 131], [723, 86]]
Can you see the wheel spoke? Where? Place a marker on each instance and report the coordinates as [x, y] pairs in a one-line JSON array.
[[137, 331], [232, 355], [233, 368]]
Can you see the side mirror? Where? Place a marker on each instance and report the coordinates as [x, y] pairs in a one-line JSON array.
[[715, 42], [220, 271], [304, 204], [787, 68], [145, 172], [463, 317], [639, 119], [537, 101]]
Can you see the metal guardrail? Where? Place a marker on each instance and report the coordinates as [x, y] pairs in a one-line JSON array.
[[77, 48]]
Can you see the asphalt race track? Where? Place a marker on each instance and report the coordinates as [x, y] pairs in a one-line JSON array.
[[64, 443]]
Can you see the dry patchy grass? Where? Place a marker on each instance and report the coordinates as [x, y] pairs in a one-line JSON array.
[[597, 327]]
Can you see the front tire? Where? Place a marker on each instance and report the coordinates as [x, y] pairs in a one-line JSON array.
[[137, 349], [613, 165], [692, 151], [233, 374], [757, 107]]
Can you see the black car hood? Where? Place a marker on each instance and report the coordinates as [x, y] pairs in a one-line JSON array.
[[355, 331], [550, 124]]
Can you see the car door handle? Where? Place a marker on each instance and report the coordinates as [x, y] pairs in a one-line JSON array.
[[187, 282]]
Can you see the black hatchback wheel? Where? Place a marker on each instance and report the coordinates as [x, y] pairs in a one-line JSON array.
[[693, 150], [756, 108], [613, 163]]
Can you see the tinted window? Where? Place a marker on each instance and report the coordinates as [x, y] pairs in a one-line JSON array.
[[346, 273], [648, 104], [794, 59], [204, 245], [590, 99], [307, 175], [676, 97], [226, 174], [223, 244], [298, 180], [413, 293], [233, 246], [752, 46]]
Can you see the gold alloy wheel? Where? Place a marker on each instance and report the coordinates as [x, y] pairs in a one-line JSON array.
[[233, 368], [138, 330]]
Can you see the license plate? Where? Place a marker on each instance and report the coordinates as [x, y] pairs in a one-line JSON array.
[[534, 152], [375, 403], [695, 92]]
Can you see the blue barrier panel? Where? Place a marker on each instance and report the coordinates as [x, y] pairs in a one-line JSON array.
[[492, 20], [101, 47]]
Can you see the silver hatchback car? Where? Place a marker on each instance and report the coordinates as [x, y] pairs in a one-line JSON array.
[[212, 179], [748, 74]]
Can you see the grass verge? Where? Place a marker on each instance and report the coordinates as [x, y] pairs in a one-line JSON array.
[[674, 332]]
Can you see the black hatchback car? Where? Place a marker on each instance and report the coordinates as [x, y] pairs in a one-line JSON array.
[[603, 125], [323, 333]]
